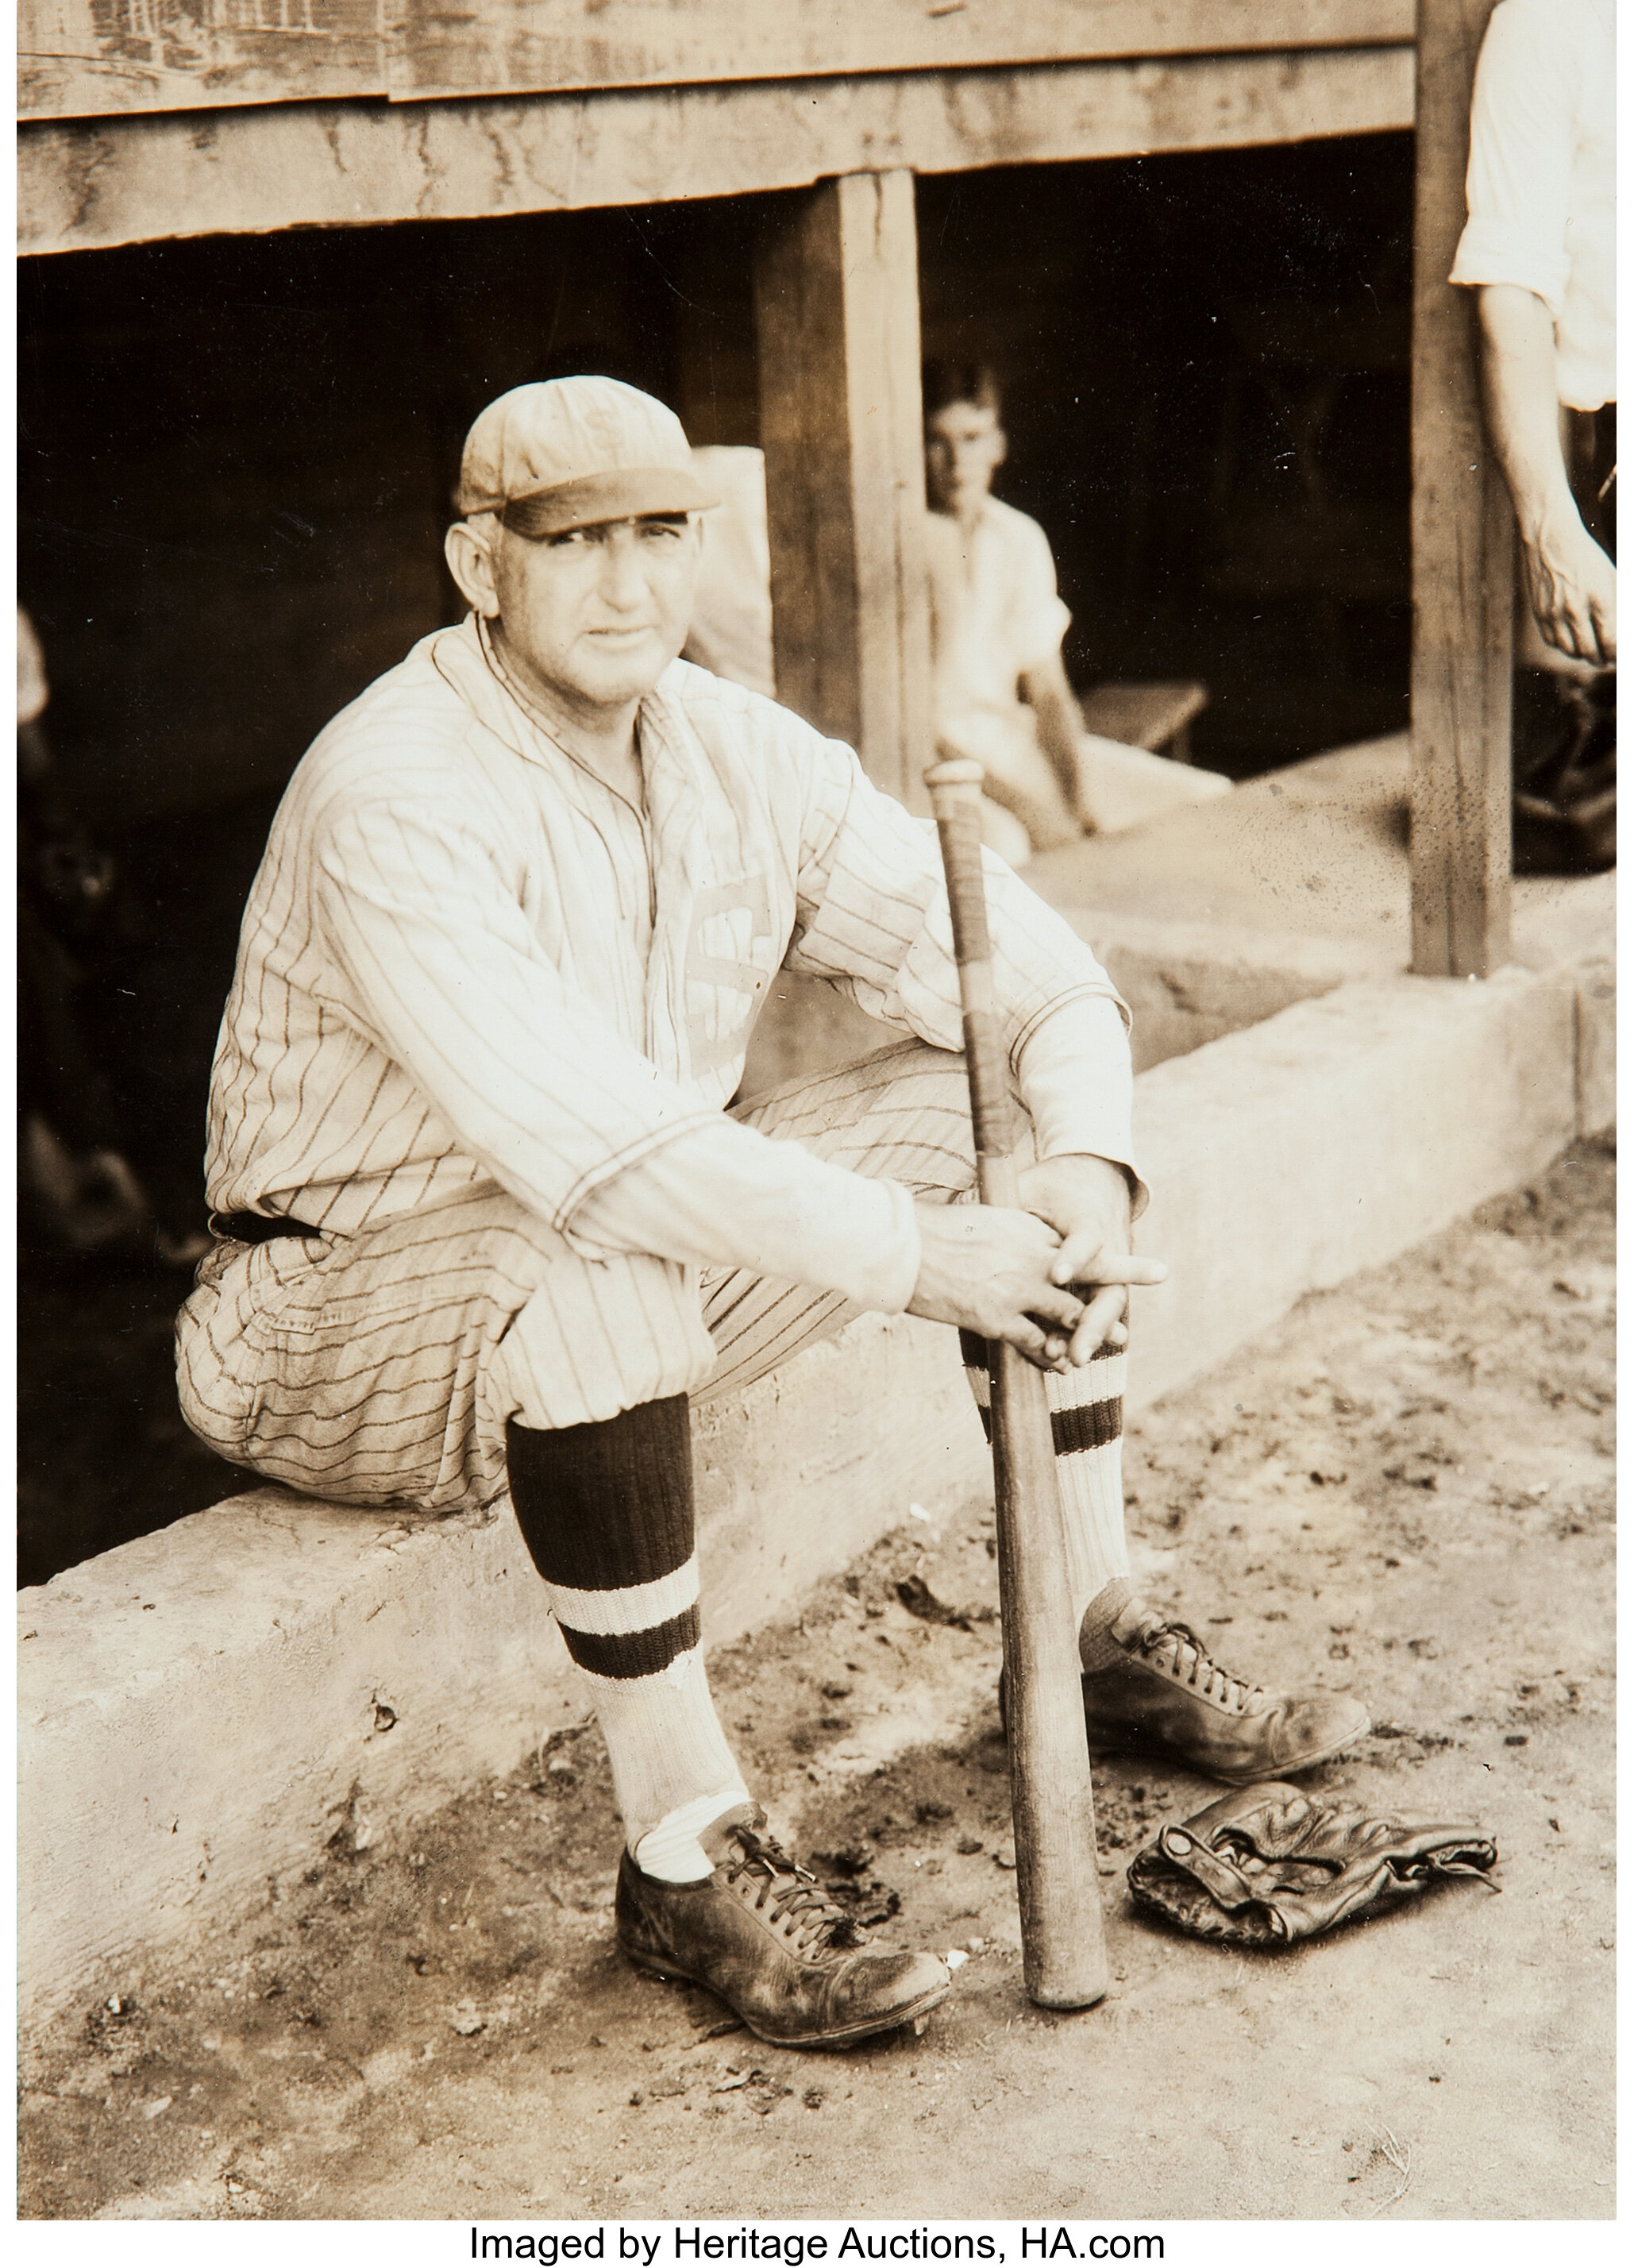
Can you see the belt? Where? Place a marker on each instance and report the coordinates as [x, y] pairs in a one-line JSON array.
[[257, 1227]]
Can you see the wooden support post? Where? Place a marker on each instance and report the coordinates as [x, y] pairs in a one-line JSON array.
[[1463, 551], [837, 317]]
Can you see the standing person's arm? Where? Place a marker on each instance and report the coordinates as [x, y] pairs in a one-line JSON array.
[[1038, 623], [1524, 126], [1571, 582]]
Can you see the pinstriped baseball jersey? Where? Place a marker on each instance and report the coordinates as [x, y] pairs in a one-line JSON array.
[[466, 961]]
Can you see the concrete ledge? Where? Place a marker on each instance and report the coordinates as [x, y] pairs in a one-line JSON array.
[[1571, 927], [1343, 1132], [201, 1711], [205, 1708], [1190, 983], [1595, 990]]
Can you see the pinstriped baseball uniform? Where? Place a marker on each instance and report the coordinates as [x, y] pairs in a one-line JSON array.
[[485, 1020]]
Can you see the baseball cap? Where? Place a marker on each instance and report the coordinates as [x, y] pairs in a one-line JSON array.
[[570, 451]]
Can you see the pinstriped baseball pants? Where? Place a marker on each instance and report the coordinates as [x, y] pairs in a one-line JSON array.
[[381, 1368]]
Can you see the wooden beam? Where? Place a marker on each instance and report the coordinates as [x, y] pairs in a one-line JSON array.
[[83, 58], [1463, 551], [515, 46], [92, 183], [836, 303]]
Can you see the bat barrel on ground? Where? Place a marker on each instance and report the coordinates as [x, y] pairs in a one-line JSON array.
[[1052, 1801]]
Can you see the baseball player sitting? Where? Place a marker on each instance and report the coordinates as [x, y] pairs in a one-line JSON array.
[[487, 1225]]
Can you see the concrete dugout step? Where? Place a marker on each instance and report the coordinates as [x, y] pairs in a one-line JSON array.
[[201, 1711]]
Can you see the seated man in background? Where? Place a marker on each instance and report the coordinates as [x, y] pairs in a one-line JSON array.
[[996, 624], [1539, 248]]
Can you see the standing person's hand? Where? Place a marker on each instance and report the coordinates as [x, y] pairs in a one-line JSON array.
[[1570, 581], [1572, 585]]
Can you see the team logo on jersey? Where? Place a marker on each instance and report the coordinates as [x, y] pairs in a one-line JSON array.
[[738, 918]]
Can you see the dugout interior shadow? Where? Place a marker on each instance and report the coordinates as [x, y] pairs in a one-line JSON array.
[[235, 462]]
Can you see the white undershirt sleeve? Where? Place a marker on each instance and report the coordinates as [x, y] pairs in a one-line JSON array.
[[1078, 1084]]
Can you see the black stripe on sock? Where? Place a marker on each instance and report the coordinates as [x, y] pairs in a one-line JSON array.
[[637, 1654], [605, 1507], [1090, 1426]]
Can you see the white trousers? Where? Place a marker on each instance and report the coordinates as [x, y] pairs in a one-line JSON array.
[[381, 1368]]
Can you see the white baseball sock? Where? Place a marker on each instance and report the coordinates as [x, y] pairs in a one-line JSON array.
[[1086, 1419]]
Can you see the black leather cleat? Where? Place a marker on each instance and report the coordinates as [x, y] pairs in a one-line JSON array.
[[762, 1933], [1166, 1693]]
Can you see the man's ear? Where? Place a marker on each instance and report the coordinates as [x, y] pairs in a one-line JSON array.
[[1002, 441], [471, 563]]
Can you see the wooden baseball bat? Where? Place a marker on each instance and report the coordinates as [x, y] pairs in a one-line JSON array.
[[1052, 1801]]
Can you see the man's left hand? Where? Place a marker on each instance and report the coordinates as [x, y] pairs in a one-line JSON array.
[[1086, 1201]]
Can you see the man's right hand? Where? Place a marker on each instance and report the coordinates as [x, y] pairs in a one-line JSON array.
[[987, 1268], [1572, 585], [1570, 581]]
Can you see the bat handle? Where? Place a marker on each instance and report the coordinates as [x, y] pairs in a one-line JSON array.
[[955, 786]]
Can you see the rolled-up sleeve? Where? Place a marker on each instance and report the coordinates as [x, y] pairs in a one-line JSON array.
[[1037, 617], [1522, 143]]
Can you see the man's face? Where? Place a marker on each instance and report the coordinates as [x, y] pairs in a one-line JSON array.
[[599, 614], [964, 446]]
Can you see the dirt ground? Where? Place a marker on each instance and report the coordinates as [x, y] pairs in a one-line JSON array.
[[1405, 1491]]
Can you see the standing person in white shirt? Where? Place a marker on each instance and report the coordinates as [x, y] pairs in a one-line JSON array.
[[1539, 248], [487, 1225]]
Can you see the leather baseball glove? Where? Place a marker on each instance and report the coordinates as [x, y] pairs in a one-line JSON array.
[[1268, 1865]]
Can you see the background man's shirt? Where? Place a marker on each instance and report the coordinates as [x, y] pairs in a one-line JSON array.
[[1541, 184], [994, 614]]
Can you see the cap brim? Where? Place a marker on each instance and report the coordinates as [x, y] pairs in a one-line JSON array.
[[629, 493]]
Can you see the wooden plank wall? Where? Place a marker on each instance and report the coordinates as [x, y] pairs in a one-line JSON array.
[[1463, 552], [89, 184], [96, 58]]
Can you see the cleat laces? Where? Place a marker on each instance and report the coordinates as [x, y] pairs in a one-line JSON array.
[[1176, 1647], [765, 1877]]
